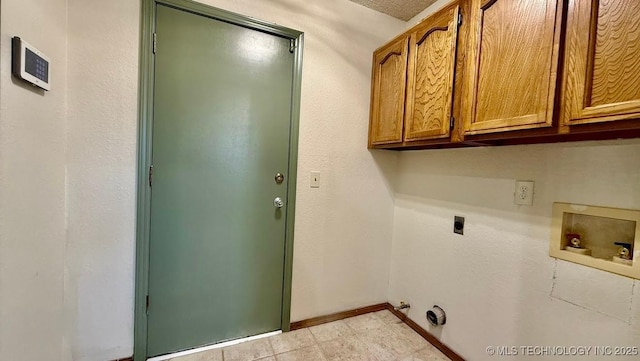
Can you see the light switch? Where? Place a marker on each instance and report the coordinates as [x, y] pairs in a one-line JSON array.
[[314, 182]]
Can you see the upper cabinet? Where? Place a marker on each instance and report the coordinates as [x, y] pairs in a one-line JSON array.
[[389, 79], [602, 62], [495, 72], [432, 61], [423, 63], [511, 66]]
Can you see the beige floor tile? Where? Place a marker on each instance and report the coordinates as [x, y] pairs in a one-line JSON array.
[[385, 344], [248, 351], [438, 353], [331, 331], [346, 349], [378, 336], [293, 340], [364, 322], [211, 355], [312, 353], [426, 354], [416, 341], [387, 317]]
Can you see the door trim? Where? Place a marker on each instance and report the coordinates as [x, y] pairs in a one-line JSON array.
[[145, 117]]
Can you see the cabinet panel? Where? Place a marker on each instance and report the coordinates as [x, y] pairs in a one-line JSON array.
[[432, 63], [388, 93], [602, 61], [512, 67]]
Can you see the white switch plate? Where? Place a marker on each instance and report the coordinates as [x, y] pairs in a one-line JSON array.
[[524, 193], [314, 181]]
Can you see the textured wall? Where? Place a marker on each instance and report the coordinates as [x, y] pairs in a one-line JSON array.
[[32, 187], [497, 282], [343, 229], [101, 177]]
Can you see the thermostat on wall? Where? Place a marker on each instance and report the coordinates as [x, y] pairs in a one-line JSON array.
[[30, 64]]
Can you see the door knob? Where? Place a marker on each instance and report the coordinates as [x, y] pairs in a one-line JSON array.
[[278, 202]]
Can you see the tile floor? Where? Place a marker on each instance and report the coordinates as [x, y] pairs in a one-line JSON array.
[[378, 336]]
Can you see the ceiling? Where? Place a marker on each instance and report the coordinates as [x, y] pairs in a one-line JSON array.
[[401, 9]]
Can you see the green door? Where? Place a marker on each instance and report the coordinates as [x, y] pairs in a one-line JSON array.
[[221, 128]]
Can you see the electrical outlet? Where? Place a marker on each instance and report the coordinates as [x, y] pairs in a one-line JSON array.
[[314, 181], [524, 193]]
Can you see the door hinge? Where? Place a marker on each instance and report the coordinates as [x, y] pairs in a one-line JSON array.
[[155, 42], [459, 19], [452, 122], [147, 304], [150, 175], [293, 44]]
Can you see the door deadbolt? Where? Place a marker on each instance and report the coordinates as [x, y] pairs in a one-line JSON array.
[[279, 178]]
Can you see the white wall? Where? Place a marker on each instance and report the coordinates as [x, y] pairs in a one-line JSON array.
[[32, 187], [497, 282], [101, 177], [343, 229]]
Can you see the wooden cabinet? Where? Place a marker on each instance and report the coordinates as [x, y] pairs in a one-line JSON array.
[[490, 70], [432, 61], [422, 62], [511, 65], [602, 62], [389, 76]]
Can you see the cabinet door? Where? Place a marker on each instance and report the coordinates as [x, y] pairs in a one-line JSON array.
[[388, 92], [602, 61], [432, 60], [511, 64]]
